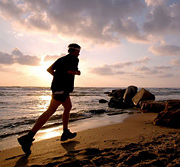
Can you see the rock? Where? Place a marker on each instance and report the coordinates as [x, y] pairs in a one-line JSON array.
[[103, 101], [116, 113], [141, 95], [117, 103], [117, 99], [117, 93], [129, 94], [98, 111], [152, 106], [170, 116]]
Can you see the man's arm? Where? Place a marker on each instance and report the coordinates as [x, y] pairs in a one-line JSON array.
[[50, 70], [74, 72]]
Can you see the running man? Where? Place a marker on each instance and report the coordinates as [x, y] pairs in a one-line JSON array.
[[63, 70]]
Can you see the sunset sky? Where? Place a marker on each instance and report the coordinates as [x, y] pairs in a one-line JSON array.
[[124, 42]]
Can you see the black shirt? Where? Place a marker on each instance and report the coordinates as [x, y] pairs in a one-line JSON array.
[[62, 80]]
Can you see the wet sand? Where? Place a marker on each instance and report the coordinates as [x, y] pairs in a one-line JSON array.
[[135, 142]]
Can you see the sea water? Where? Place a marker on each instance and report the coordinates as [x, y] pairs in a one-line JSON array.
[[21, 106]]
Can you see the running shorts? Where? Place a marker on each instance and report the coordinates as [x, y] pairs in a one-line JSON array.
[[60, 96]]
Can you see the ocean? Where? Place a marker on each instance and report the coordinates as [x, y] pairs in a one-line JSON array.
[[21, 106]]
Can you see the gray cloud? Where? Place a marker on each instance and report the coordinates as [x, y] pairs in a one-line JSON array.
[[145, 70], [10, 9], [165, 50], [175, 62], [113, 69], [96, 20], [6, 58], [105, 70], [18, 57], [167, 75], [52, 57], [164, 68], [143, 60], [163, 18], [10, 70], [103, 21], [158, 71]]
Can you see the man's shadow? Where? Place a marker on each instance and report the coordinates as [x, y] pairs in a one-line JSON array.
[[23, 161], [70, 148]]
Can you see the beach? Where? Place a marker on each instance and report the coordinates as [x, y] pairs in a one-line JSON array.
[[134, 142]]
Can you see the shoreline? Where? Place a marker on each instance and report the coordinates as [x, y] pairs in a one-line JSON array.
[[124, 143], [56, 131]]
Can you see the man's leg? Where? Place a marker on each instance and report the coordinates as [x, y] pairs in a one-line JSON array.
[[54, 104], [66, 133], [26, 140], [67, 108]]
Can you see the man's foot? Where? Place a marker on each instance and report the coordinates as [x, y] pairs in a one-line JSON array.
[[67, 135], [26, 142]]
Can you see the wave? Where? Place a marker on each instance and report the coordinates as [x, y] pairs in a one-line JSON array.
[[52, 122]]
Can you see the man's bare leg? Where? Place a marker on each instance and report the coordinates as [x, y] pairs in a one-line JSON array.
[[26, 140], [66, 133], [67, 108], [54, 104]]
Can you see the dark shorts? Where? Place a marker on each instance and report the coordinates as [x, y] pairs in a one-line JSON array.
[[60, 97]]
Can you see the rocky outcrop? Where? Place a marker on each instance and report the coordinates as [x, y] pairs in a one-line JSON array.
[[103, 101], [116, 100], [142, 94], [117, 93], [127, 98], [118, 103], [129, 94], [152, 106], [170, 117]]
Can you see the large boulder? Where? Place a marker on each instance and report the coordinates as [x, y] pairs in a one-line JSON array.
[[117, 103], [141, 95], [152, 106], [117, 93], [116, 100], [170, 117], [103, 101], [129, 94]]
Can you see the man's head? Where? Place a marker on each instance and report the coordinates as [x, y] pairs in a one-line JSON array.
[[74, 49]]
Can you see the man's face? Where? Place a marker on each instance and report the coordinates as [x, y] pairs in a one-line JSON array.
[[76, 53]]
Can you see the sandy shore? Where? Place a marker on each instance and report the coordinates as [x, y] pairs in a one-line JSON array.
[[135, 142]]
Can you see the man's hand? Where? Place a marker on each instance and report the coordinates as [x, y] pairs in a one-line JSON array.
[[74, 72], [78, 72]]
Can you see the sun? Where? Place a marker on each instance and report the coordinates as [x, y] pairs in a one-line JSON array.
[[40, 72]]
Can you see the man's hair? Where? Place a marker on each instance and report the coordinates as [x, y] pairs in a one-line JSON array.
[[73, 47]]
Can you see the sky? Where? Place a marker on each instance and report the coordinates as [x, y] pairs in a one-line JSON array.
[[124, 42]]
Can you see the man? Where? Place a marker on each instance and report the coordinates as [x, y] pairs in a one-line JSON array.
[[63, 70]]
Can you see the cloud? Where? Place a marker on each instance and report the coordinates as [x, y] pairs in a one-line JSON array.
[[145, 70], [156, 71], [154, 2], [101, 21], [18, 57], [120, 64], [52, 57], [106, 70], [10, 70], [165, 50], [164, 68], [113, 69], [175, 62], [163, 18], [143, 60], [6, 58], [167, 75], [98, 20]]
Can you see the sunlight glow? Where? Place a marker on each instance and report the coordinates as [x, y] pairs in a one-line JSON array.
[[49, 133]]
